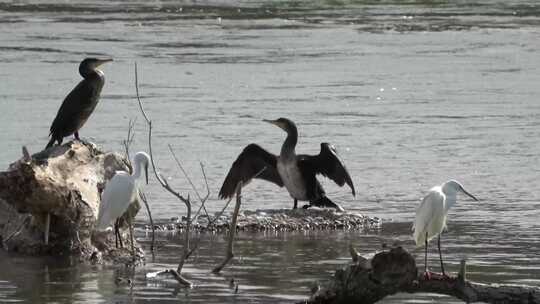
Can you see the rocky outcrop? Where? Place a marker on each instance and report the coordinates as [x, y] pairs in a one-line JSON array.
[[64, 182]]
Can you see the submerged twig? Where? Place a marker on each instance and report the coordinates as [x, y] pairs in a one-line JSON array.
[[178, 277]]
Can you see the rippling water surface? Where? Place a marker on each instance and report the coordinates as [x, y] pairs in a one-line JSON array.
[[411, 94]]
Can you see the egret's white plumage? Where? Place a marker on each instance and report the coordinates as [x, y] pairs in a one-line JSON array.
[[430, 220], [121, 191], [430, 216]]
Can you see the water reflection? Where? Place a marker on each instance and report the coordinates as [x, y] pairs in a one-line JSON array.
[[268, 267]]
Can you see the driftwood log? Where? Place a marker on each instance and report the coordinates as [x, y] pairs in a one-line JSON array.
[[61, 187], [389, 272]]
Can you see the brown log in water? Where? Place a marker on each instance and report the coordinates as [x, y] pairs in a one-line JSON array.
[[390, 272]]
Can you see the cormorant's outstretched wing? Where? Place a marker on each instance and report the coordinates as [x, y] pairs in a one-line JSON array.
[[254, 161], [328, 164]]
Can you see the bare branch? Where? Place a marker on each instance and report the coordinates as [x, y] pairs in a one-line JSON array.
[[232, 230], [191, 182], [205, 198], [138, 96], [163, 181], [184, 172], [129, 139], [205, 180]]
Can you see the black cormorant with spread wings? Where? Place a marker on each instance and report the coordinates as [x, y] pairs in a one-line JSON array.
[[80, 102], [296, 172]]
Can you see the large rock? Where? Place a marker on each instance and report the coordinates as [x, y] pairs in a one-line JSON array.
[[65, 182]]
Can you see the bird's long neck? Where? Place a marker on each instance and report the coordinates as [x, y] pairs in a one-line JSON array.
[[449, 201], [87, 72], [287, 149], [137, 171]]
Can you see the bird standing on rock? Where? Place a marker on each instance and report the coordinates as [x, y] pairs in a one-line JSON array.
[[296, 172], [430, 218], [120, 192], [80, 102]]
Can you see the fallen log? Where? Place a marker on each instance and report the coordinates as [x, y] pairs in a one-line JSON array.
[[58, 190], [389, 272]]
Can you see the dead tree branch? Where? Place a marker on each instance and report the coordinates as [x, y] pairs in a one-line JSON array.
[[393, 271], [163, 182], [201, 199], [129, 139], [127, 144], [232, 230]]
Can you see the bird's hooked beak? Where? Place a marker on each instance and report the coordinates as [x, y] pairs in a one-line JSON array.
[[146, 173], [102, 61], [468, 194], [275, 123]]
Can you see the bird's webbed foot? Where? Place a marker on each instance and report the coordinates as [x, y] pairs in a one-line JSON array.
[[76, 134], [306, 206]]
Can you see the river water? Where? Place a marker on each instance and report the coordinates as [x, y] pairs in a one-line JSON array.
[[411, 94]]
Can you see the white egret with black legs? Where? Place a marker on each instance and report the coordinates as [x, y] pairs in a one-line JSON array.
[[120, 192], [431, 215]]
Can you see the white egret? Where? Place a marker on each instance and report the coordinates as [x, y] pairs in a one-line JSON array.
[[430, 218], [120, 192]]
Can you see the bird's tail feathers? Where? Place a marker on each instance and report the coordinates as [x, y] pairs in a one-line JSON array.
[[324, 201], [103, 223], [419, 238]]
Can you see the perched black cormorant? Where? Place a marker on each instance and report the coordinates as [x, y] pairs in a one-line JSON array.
[[80, 102], [296, 172]]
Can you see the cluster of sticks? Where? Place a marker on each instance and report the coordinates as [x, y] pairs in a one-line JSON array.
[[188, 248]]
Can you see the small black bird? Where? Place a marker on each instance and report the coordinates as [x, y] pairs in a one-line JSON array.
[[80, 102], [296, 172]]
